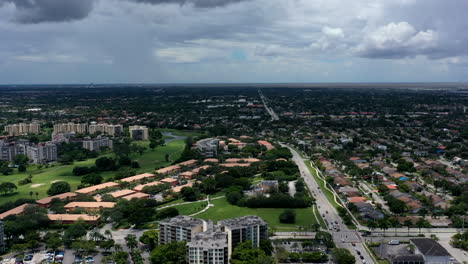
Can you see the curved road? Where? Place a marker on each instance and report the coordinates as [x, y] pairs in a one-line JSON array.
[[345, 238]]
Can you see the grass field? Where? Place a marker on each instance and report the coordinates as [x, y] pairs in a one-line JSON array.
[[183, 133], [188, 209], [320, 182], [223, 210], [43, 178]]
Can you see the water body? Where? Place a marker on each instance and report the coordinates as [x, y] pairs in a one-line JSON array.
[[171, 137]]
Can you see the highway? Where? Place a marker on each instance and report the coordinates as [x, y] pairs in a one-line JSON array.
[[345, 237], [270, 110]]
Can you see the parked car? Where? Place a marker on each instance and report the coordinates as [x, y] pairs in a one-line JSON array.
[[394, 242], [89, 260]]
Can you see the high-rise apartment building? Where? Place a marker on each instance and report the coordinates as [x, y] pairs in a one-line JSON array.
[[81, 128], [210, 247], [97, 143], [23, 128], [111, 130], [251, 227], [42, 153], [208, 147], [138, 132], [180, 228], [9, 150]]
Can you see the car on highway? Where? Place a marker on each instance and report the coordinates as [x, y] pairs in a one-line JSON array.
[[89, 259], [358, 252], [361, 257]]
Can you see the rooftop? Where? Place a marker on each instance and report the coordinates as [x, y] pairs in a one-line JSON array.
[[97, 187], [122, 193], [138, 195], [15, 211], [429, 247], [61, 196], [90, 205], [72, 217], [209, 239], [242, 221], [138, 177], [140, 187], [183, 221]]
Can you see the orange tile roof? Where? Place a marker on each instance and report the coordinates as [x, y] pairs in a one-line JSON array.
[[137, 195], [169, 180], [97, 187], [73, 217], [121, 193], [230, 165], [397, 175], [188, 163], [392, 187], [138, 177], [15, 211], [211, 160], [179, 188], [140, 187], [357, 199], [247, 160], [168, 169], [90, 205], [62, 196]]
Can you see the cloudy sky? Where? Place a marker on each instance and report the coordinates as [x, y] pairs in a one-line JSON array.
[[175, 41]]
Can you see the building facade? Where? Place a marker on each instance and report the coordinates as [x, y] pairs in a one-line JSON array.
[[81, 128], [9, 150], [208, 247], [97, 143], [42, 152], [180, 228], [139, 132], [208, 147], [252, 228], [23, 128], [111, 130]]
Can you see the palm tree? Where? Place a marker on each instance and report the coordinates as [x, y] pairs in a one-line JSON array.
[[108, 233], [393, 222], [31, 193], [117, 248], [408, 223], [37, 195], [383, 224], [132, 242]]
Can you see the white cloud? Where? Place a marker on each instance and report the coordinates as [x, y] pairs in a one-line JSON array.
[[333, 32]]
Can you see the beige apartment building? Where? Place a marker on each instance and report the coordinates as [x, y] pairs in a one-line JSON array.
[[81, 128], [108, 129], [138, 132], [23, 128]]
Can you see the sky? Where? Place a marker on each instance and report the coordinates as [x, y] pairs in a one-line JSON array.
[[233, 41]]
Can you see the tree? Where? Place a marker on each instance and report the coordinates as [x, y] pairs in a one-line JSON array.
[[131, 241], [74, 231], [53, 240], [150, 238], [171, 253], [92, 179], [342, 256], [288, 216], [408, 223], [422, 223], [325, 238], [21, 159], [383, 224], [7, 187], [266, 246], [105, 164], [244, 253], [58, 188], [189, 194]]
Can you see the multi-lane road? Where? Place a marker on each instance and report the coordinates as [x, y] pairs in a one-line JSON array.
[[270, 110], [342, 235]]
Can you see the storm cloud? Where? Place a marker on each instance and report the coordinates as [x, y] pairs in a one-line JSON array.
[[197, 3], [37, 11]]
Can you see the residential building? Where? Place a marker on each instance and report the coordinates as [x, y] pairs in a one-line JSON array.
[[80, 128], [62, 137], [73, 218], [111, 130], [97, 143], [93, 189], [89, 206], [45, 202], [407, 259], [180, 228], [9, 150], [210, 247], [252, 228], [208, 147], [138, 132], [22, 128], [43, 152], [431, 251]]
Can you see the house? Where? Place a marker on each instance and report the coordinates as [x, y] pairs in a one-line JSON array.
[[188, 175], [341, 181], [173, 182], [137, 195], [350, 191], [140, 187], [138, 177], [121, 193], [242, 160], [89, 206], [368, 212], [356, 199], [45, 202], [15, 211], [73, 218], [266, 144], [179, 188], [211, 160], [430, 250], [93, 189]]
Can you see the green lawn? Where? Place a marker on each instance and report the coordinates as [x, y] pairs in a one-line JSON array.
[[320, 182], [223, 210], [188, 209], [43, 178], [183, 133]]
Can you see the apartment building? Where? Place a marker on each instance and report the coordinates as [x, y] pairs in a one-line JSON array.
[[251, 227], [210, 247], [41, 153], [80, 128], [180, 228], [108, 129], [9, 150], [97, 143], [139, 132], [208, 147], [22, 128]]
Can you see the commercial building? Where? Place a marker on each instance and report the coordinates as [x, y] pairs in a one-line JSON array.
[[111, 130], [97, 143], [208, 147], [180, 228], [208, 247], [22, 128], [43, 152], [81, 128], [431, 251], [138, 132], [252, 228], [9, 150]]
